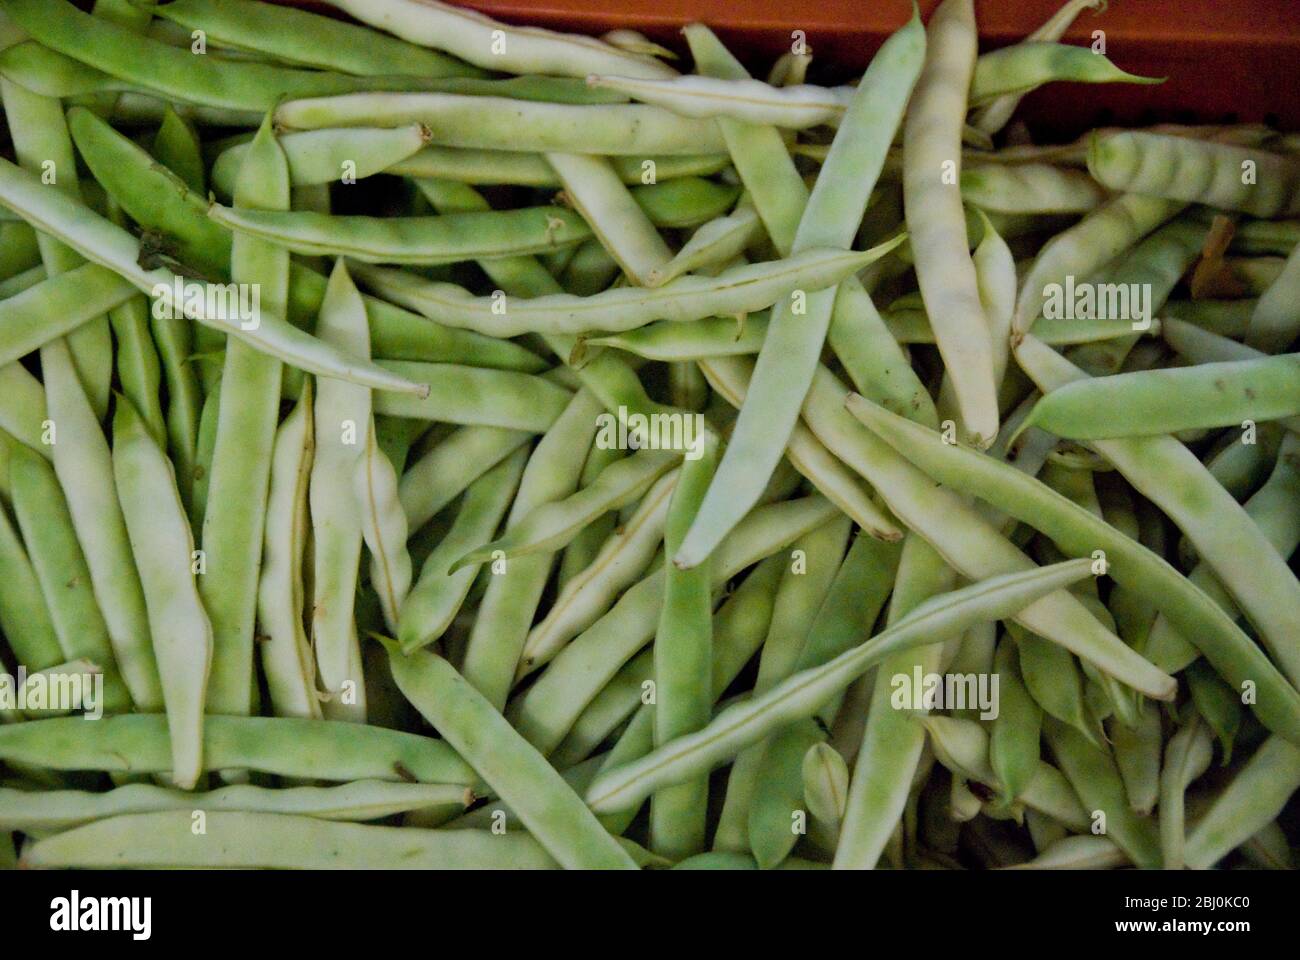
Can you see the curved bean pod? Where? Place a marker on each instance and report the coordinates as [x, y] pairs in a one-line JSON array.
[[1275, 321], [1254, 798], [439, 476], [299, 36], [414, 240], [101, 242], [551, 525], [1022, 67], [473, 37], [433, 602], [805, 692], [1198, 171], [621, 561], [740, 290], [1074, 528], [1268, 592]]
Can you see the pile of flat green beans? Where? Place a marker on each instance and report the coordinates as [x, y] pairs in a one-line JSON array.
[[450, 444]]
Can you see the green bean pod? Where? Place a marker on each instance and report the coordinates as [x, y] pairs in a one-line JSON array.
[[287, 658], [359, 800], [805, 692], [551, 811], [384, 528], [1221, 175], [414, 240], [433, 602], [327, 156], [1022, 67], [1233, 654], [164, 553], [278, 841]]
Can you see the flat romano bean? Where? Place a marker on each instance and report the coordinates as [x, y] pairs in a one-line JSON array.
[[593, 188], [41, 511], [1073, 528], [519, 775], [278, 841], [760, 156], [164, 549], [1022, 67], [739, 290], [324, 156], [684, 202], [440, 475], [714, 243], [807, 455], [359, 800], [498, 123], [57, 306], [1197, 171], [993, 116], [1273, 510], [699, 340], [288, 747], [805, 692], [433, 602]]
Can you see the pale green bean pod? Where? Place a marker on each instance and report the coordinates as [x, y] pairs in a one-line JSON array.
[[164, 554]]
